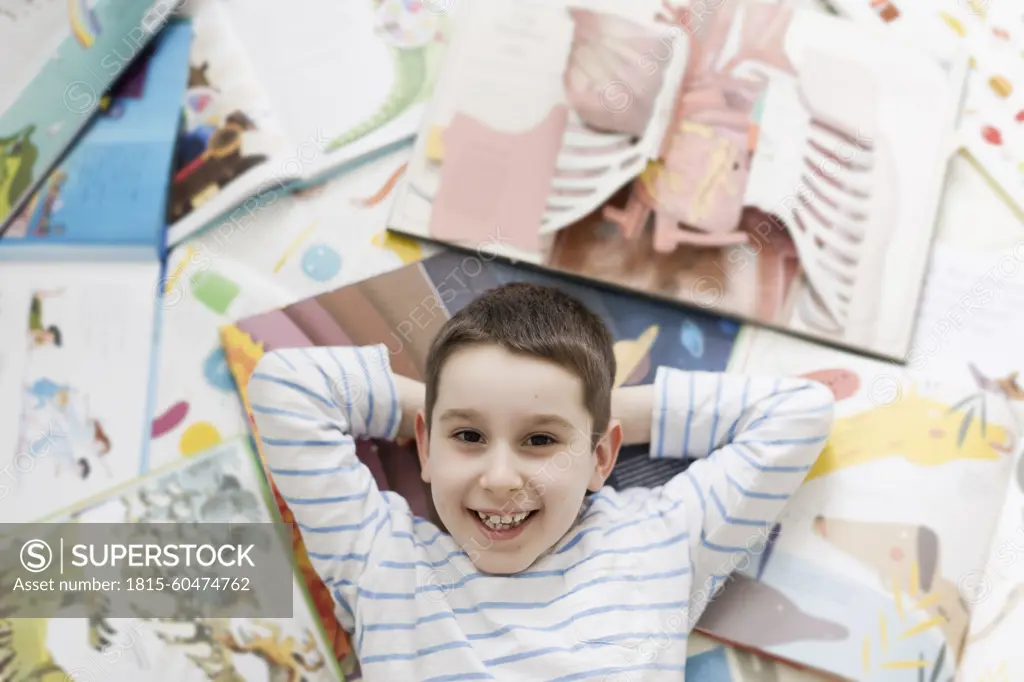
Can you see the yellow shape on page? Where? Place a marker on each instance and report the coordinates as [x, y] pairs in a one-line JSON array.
[[630, 353], [919, 429], [408, 250]]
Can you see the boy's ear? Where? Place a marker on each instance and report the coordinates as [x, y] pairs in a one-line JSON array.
[[422, 444], [606, 454]]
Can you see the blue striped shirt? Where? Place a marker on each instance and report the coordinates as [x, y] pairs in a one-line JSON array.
[[617, 596]]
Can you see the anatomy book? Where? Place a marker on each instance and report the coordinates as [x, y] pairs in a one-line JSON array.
[[106, 198], [277, 101], [222, 485], [755, 160], [405, 308], [893, 560], [60, 58], [992, 128]]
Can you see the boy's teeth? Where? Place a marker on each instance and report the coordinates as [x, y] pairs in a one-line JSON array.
[[504, 521]]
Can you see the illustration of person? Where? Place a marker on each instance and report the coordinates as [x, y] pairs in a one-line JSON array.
[[42, 335], [83, 468]]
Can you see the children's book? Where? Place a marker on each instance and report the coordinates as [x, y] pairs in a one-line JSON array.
[[273, 103], [222, 485], [992, 129], [60, 60], [104, 199], [76, 336], [405, 308], [890, 562], [755, 160]]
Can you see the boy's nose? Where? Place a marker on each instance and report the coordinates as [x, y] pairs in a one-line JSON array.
[[501, 474]]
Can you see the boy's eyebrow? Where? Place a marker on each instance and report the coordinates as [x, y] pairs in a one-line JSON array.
[[458, 415], [551, 419]]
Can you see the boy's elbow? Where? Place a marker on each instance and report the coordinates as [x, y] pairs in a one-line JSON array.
[[819, 403]]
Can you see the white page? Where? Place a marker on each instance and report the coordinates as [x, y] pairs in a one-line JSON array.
[[894, 504], [30, 33], [74, 419], [331, 66], [971, 313]]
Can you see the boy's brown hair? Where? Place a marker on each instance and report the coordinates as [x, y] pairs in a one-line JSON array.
[[538, 321]]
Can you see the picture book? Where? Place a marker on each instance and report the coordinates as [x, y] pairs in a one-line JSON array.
[[342, 81], [992, 129], [76, 336], [61, 59], [105, 198], [792, 183], [881, 565], [222, 485], [304, 244], [404, 309]]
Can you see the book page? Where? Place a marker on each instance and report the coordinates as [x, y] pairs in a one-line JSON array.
[[75, 371], [970, 324], [348, 78], [231, 146], [221, 485], [30, 33], [862, 575]]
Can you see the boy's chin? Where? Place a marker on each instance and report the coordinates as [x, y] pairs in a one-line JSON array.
[[499, 563]]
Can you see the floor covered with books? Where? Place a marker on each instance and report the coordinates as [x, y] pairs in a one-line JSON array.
[[190, 209]]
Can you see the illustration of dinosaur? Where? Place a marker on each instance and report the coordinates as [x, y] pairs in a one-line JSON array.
[[211, 644], [921, 430], [415, 33], [907, 559], [18, 156]]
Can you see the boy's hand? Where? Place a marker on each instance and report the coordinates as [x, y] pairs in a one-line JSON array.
[[633, 406]]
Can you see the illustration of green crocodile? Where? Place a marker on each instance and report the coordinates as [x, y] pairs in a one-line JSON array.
[[414, 30], [17, 160]]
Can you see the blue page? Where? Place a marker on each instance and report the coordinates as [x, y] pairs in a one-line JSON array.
[[111, 189]]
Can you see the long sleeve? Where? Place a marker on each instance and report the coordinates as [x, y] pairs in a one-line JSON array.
[[309, 405], [755, 439]]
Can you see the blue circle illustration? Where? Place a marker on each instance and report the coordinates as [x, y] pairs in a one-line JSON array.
[[216, 371], [321, 263]]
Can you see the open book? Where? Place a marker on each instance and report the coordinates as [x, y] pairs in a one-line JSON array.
[[79, 304], [223, 485], [788, 178], [993, 32], [896, 558], [278, 100], [405, 308], [59, 59]]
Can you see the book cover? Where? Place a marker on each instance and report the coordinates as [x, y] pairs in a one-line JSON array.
[[110, 190], [68, 55], [405, 308], [794, 184]]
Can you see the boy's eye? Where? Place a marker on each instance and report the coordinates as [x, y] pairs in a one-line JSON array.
[[467, 436], [539, 440]]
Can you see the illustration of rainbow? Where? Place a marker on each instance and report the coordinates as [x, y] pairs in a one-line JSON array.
[[84, 23]]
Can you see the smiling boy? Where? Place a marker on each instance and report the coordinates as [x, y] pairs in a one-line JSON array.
[[532, 578]]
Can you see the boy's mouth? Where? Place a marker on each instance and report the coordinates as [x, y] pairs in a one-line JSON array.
[[502, 526]]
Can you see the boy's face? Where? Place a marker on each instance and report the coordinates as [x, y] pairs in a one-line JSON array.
[[510, 440]]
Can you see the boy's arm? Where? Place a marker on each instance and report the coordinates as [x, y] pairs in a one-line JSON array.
[[309, 404], [756, 436]]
